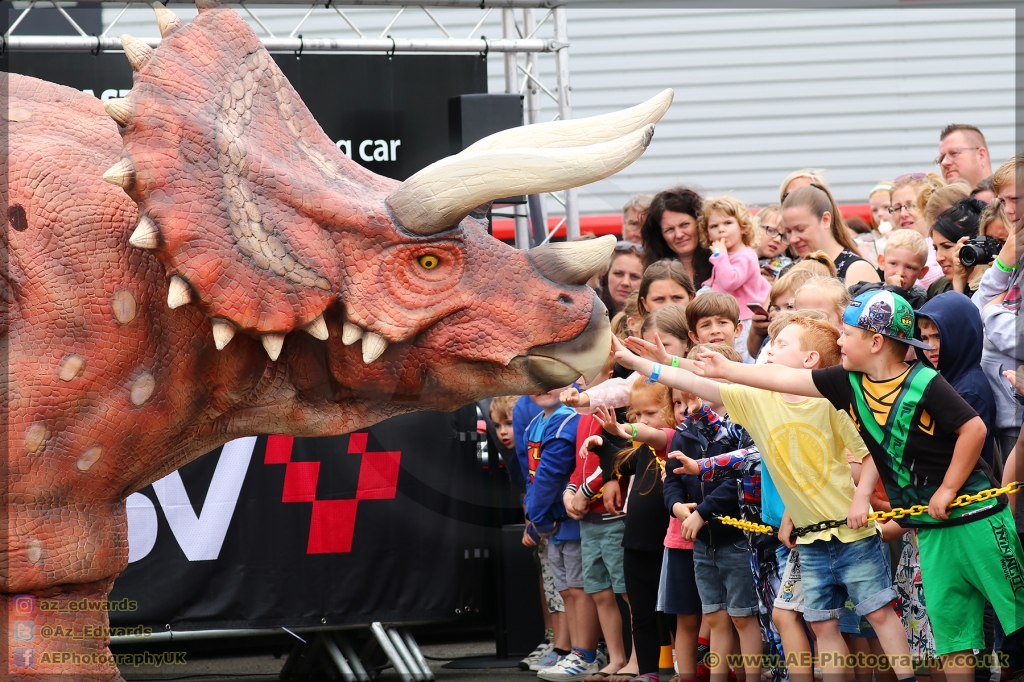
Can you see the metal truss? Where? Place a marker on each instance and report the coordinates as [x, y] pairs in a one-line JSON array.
[[520, 34]]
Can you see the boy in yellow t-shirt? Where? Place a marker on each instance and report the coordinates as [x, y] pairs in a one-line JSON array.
[[803, 443]]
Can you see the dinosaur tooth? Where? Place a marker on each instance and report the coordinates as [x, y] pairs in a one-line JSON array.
[[119, 110], [373, 346], [272, 343], [350, 333], [223, 332], [137, 52], [121, 174], [167, 21], [178, 293], [317, 328], [145, 235]]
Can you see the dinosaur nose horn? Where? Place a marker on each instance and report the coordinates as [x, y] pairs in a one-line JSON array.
[[573, 262]]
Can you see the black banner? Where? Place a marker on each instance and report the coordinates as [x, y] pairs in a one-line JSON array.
[[389, 115], [388, 524]]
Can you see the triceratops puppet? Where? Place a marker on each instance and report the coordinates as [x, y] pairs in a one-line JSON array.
[[212, 266]]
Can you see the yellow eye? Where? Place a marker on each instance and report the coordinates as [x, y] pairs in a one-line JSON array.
[[429, 262]]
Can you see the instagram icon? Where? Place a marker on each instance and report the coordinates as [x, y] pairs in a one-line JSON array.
[[24, 605]]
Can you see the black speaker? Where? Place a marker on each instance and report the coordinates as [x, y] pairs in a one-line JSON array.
[[523, 623], [474, 117]]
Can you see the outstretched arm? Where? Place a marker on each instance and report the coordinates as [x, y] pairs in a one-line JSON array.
[[769, 377], [656, 438], [673, 377]]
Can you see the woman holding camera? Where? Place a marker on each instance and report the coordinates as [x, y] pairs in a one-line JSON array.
[[962, 255]]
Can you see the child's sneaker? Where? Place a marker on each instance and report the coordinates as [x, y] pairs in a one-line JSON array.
[[572, 667], [602, 655], [542, 650], [549, 660]]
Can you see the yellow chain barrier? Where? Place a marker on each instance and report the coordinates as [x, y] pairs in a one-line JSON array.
[[883, 516]]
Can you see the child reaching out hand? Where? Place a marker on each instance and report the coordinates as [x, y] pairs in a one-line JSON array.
[[652, 419], [968, 554]]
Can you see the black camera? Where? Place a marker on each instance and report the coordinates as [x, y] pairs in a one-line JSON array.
[[979, 251]]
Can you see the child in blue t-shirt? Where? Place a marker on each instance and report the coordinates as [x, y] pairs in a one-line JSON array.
[[551, 458]]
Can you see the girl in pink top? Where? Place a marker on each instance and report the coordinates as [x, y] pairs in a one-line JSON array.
[[727, 227]]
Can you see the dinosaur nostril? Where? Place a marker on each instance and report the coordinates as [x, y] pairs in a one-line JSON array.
[[565, 299]]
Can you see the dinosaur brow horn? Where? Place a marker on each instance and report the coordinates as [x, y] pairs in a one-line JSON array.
[[442, 194], [579, 132]]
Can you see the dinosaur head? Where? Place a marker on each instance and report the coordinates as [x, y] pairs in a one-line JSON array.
[[261, 222]]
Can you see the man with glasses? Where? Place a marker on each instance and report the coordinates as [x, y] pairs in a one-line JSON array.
[[963, 154]]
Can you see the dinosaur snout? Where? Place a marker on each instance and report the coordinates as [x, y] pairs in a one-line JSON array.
[[560, 364]]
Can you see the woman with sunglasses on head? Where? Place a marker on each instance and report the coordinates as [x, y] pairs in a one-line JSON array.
[[812, 222], [771, 244], [801, 178], [910, 194], [625, 270], [670, 231]]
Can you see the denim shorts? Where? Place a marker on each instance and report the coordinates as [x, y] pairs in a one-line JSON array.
[[790, 596], [724, 578], [834, 572]]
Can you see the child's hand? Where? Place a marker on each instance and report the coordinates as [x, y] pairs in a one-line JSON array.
[[612, 497], [786, 531], [711, 365], [610, 424], [718, 246], [648, 350], [528, 541], [573, 398], [858, 516], [1016, 379], [687, 465], [938, 506], [896, 280], [580, 503], [589, 444], [622, 354], [569, 501], [693, 523], [682, 510]]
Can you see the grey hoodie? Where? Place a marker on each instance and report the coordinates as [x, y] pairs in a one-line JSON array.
[[1004, 341]]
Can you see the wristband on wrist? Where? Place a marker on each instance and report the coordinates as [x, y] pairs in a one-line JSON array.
[[999, 264], [655, 373], [633, 426], [675, 361]]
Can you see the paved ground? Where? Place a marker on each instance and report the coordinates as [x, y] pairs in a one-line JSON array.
[[264, 667]]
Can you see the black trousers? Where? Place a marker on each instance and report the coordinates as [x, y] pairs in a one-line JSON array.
[[642, 571]]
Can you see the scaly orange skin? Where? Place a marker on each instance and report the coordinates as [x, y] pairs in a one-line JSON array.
[[109, 389]]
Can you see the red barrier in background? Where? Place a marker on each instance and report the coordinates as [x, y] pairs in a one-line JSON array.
[[611, 223]]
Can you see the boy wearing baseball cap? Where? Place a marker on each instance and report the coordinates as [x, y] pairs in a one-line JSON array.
[[925, 442]]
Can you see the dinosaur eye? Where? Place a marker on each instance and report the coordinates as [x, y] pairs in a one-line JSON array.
[[429, 262]]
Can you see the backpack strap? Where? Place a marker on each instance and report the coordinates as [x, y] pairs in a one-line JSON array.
[[893, 436]]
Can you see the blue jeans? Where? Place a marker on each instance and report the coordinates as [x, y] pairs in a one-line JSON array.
[[724, 580], [833, 572]]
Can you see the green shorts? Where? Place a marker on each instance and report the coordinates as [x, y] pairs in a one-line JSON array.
[[961, 568], [602, 555]]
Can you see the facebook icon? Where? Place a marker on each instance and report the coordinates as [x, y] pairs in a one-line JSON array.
[[24, 657]]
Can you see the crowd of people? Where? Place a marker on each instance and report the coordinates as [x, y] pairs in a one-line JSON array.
[[779, 377]]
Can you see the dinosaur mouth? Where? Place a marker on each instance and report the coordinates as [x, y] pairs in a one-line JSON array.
[[560, 364]]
